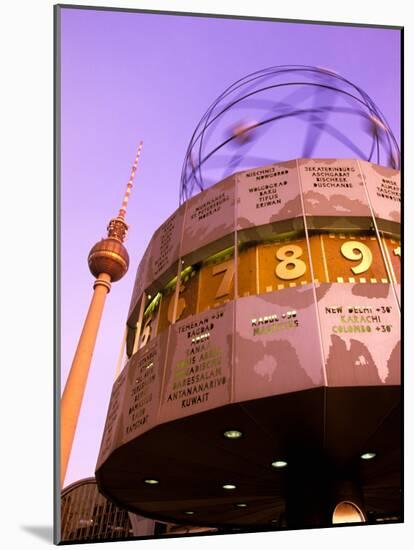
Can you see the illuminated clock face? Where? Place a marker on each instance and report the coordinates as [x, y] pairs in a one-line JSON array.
[[335, 199], [347, 258], [173, 308], [149, 322], [166, 308], [393, 254], [266, 267], [216, 282], [247, 273], [187, 298], [319, 229], [283, 264]]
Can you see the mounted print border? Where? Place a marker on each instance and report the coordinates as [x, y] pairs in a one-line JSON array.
[[233, 186]]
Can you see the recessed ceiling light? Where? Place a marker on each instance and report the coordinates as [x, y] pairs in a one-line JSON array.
[[232, 434], [151, 481], [279, 464], [241, 505], [274, 521], [368, 456], [229, 486], [189, 513]]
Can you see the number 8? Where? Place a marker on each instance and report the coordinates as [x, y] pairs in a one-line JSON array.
[[299, 266]]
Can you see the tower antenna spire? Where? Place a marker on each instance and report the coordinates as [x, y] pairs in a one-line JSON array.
[[118, 227], [108, 261], [122, 211]]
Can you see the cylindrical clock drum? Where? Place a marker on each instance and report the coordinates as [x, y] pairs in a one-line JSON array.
[[262, 386]]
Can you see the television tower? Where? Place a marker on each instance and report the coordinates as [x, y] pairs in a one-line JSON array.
[[108, 261]]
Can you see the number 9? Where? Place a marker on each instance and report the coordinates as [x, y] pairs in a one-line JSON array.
[[354, 250]]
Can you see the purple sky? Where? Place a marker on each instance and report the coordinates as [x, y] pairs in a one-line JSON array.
[[131, 76]]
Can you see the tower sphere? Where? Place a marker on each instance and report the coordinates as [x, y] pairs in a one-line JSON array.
[[109, 256]]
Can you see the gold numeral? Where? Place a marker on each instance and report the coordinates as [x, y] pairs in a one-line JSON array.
[[228, 269], [354, 250], [397, 251], [181, 305], [290, 267], [146, 331]]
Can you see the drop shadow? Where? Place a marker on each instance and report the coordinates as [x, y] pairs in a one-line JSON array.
[[44, 532]]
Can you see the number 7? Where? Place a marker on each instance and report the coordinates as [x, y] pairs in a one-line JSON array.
[[228, 269]]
